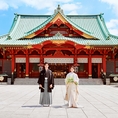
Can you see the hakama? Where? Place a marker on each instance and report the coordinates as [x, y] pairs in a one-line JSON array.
[[45, 97]]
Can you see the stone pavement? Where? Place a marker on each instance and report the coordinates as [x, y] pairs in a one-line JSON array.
[[21, 101]]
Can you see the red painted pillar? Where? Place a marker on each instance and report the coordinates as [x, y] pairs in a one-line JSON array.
[[12, 67], [3, 53], [13, 63], [76, 62], [89, 67], [104, 63], [113, 54], [75, 57], [41, 58], [99, 70], [27, 64]]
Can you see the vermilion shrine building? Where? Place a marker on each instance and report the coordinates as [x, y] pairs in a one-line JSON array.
[[61, 40]]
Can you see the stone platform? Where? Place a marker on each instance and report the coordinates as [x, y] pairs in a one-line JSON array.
[[22, 101]]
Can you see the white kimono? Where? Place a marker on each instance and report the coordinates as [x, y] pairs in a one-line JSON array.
[[72, 90]]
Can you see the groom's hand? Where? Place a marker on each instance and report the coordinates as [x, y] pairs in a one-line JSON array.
[[50, 85], [40, 85]]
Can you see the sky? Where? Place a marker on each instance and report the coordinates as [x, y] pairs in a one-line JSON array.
[[70, 7]]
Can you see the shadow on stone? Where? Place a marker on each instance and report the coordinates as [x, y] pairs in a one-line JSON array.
[[31, 106], [56, 107], [116, 86]]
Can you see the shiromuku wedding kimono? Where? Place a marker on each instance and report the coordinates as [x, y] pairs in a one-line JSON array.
[[72, 82], [45, 79]]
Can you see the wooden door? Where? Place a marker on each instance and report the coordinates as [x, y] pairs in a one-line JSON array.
[[95, 71], [20, 70], [33, 70]]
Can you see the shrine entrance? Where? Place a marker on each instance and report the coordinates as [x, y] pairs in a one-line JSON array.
[[60, 56], [60, 70], [20, 70], [94, 70]]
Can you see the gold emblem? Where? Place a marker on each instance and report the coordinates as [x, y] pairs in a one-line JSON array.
[[58, 41]]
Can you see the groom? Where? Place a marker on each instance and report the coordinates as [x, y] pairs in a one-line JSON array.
[[46, 84]]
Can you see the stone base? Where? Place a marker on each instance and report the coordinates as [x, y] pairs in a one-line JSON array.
[[107, 81]]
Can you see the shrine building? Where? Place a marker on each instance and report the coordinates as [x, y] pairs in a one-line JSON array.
[[61, 40]]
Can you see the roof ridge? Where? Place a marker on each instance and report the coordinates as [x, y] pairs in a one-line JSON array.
[[103, 27], [86, 15], [14, 23], [18, 14]]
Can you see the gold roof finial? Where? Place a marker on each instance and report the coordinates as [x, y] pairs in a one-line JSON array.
[[58, 9]]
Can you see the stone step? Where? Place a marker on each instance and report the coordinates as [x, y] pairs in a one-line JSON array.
[[58, 81]]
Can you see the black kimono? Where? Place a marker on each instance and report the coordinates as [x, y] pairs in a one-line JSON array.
[[46, 79]]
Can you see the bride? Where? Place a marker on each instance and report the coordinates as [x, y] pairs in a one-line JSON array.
[[72, 82]]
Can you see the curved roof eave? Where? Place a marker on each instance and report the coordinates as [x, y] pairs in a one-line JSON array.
[[3, 38], [75, 40], [14, 22], [114, 36]]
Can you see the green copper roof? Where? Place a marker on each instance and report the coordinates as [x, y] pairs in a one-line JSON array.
[[66, 18], [51, 17], [92, 23], [40, 26], [3, 38], [82, 41], [24, 25]]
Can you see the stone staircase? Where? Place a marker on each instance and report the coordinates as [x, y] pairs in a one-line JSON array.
[[58, 81]]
